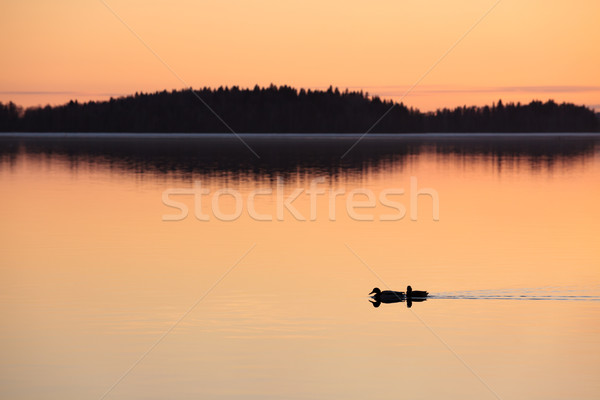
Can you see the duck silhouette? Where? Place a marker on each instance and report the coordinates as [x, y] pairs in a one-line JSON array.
[[415, 293], [390, 296], [387, 296]]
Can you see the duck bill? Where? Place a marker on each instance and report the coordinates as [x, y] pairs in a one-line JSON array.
[[371, 293]]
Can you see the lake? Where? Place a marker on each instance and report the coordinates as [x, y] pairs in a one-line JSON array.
[[186, 267]]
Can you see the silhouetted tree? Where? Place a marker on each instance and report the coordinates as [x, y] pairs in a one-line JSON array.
[[284, 109]]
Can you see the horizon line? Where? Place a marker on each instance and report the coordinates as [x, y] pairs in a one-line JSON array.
[[424, 88]]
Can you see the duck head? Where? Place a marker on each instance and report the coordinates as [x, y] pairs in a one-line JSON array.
[[376, 291]]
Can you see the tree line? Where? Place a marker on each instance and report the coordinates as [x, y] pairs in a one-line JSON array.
[[283, 109]]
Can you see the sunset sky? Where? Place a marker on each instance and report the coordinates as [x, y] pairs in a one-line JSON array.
[[53, 51]]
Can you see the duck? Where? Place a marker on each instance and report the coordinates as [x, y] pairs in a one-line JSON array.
[[410, 293], [387, 296]]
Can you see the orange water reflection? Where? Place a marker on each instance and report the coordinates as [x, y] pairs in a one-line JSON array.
[[91, 277]]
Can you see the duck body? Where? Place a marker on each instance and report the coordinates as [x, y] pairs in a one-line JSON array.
[[415, 293]]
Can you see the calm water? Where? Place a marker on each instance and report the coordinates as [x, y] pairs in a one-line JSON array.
[[92, 276]]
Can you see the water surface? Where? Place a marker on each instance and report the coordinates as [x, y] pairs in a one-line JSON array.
[[92, 277]]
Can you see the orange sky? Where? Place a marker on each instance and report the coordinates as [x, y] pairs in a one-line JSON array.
[[53, 51]]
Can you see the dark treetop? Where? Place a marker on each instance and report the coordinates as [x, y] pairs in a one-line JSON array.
[[287, 110]]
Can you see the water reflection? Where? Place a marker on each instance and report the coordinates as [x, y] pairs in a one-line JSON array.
[[91, 275], [220, 156], [407, 301]]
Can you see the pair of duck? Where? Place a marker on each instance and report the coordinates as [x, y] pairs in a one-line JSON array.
[[390, 296]]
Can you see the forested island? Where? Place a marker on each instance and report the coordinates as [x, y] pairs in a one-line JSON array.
[[283, 109]]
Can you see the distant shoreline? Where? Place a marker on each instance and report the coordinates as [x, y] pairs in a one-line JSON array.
[[287, 110]]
